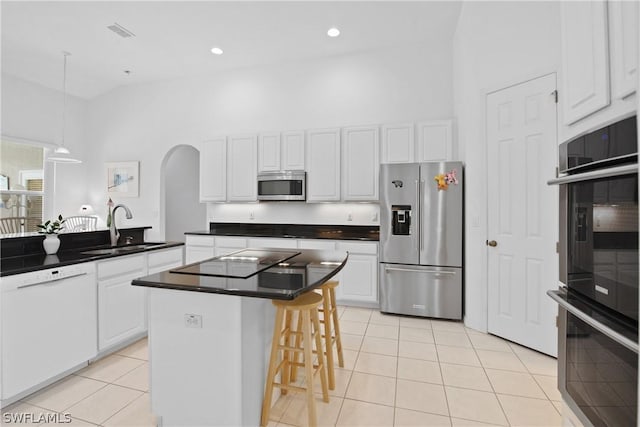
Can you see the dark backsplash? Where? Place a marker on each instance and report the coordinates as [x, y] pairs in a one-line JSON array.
[[301, 231], [32, 245]]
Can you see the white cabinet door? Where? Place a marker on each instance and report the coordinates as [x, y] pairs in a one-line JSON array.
[[435, 141], [264, 242], [198, 253], [585, 65], [292, 150], [269, 152], [359, 279], [213, 170], [166, 259], [323, 165], [198, 248], [397, 143], [226, 245], [121, 306], [242, 168], [623, 38], [320, 244], [360, 163]]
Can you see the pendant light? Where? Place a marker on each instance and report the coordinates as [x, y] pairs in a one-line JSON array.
[[61, 154]]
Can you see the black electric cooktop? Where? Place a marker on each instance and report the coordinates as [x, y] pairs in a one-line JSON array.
[[241, 264]]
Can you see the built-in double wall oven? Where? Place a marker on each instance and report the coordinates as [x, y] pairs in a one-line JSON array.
[[598, 296]]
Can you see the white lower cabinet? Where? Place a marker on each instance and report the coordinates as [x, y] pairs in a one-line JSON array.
[[121, 307], [50, 325], [359, 277], [226, 245], [199, 248], [164, 260], [319, 244], [265, 242]]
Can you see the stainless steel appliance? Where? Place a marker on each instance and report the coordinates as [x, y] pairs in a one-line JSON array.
[[598, 299], [421, 239], [282, 186]]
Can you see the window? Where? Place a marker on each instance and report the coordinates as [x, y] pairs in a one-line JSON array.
[[21, 186]]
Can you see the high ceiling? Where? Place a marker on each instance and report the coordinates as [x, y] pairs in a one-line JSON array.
[[173, 39]]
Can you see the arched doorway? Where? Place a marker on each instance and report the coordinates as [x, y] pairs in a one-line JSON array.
[[181, 205]]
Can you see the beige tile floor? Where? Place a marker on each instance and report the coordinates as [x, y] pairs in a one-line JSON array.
[[399, 371]]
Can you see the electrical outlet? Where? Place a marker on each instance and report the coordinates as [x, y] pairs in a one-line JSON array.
[[251, 216], [374, 217], [193, 320], [349, 217]]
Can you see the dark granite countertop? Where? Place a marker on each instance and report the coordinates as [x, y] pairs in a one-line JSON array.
[[260, 273], [41, 261], [296, 231]]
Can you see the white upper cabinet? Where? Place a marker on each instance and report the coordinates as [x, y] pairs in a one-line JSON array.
[[323, 165], [242, 168], [434, 141], [276, 153], [213, 170], [269, 152], [360, 163], [585, 66], [292, 150], [623, 39], [398, 144]]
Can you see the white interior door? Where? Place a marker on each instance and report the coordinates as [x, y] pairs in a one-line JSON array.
[[523, 213]]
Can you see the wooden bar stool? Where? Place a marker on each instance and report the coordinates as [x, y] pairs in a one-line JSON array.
[[331, 328], [306, 305], [331, 331]]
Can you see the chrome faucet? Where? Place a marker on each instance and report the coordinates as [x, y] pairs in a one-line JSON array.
[[113, 230]]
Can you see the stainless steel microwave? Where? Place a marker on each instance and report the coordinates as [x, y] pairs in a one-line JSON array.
[[282, 186]]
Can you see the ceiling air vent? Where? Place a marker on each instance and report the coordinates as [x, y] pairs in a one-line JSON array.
[[120, 30]]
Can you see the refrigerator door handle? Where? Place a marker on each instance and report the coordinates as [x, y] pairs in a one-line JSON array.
[[415, 270], [418, 219], [420, 236]]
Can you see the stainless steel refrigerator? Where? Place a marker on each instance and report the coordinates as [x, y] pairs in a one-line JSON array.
[[421, 239]]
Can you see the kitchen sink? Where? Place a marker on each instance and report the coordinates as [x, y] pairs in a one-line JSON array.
[[121, 249]]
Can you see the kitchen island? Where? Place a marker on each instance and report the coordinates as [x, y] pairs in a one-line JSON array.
[[210, 326]]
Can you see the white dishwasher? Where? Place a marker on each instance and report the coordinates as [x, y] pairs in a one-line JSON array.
[[49, 325]]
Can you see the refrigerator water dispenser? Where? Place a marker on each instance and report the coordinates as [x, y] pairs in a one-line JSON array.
[[401, 220]]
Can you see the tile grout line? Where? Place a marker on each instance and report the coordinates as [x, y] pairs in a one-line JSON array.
[[395, 392], [123, 408], [73, 404], [484, 369], [444, 390]]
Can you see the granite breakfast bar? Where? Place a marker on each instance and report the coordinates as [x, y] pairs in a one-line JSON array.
[[210, 328]]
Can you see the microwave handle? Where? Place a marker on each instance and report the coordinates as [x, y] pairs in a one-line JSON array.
[[597, 174], [617, 337]]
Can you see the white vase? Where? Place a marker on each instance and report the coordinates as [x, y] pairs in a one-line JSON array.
[[51, 243]]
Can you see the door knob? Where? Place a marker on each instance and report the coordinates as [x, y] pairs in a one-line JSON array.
[[492, 243]]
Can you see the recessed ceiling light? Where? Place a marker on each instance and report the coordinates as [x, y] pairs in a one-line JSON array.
[[216, 51], [333, 32]]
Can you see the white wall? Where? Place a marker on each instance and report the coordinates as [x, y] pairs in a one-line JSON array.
[[34, 112], [182, 209], [143, 122], [497, 44]]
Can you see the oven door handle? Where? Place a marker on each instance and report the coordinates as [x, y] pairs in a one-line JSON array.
[[597, 174], [616, 336]]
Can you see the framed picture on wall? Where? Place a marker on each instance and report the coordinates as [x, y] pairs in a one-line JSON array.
[[123, 179]]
